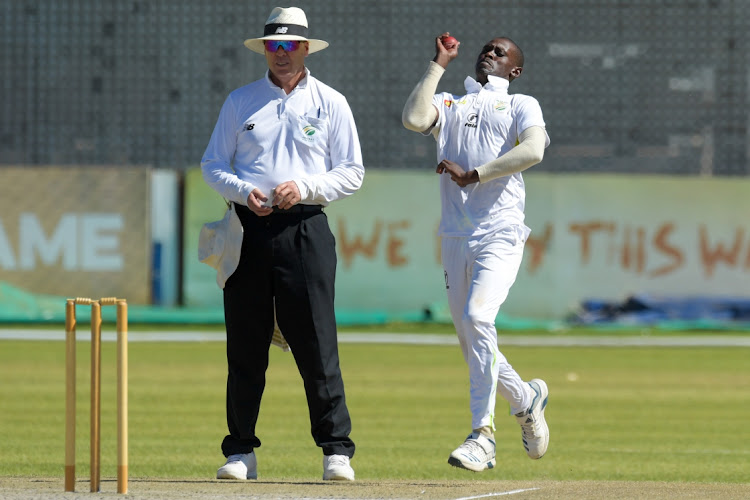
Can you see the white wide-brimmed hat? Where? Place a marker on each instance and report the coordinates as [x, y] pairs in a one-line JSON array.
[[285, 24]]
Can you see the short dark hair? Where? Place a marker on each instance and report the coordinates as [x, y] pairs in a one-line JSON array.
[[519, 55]]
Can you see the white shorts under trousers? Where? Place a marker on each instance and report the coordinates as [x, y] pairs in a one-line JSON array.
[[478, 275]]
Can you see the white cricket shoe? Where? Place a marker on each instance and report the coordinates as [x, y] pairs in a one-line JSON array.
[[535, 433], [477, 453], [240, 466], [337, 468]]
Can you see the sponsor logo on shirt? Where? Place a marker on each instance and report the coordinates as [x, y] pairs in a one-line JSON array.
[[249, 126], [448, 103], [471, 121]]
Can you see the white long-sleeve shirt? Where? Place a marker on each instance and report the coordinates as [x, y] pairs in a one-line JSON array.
[[472, 130], [264, 137]]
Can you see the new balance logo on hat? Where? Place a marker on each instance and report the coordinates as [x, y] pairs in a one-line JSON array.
[[282, 29]]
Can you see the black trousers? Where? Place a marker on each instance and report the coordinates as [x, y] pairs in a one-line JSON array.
[[289, 258]]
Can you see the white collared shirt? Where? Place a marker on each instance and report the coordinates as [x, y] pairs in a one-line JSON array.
[[264, 137], [472, 130]]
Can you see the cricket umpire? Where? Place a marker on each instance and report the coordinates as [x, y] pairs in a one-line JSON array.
[[283, 148]]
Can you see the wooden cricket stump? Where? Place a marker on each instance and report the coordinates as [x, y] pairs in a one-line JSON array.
[[122, 391]]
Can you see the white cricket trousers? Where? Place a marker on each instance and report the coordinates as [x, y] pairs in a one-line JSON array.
[[478, 275]]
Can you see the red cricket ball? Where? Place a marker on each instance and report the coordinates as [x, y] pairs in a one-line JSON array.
[[449, 42]]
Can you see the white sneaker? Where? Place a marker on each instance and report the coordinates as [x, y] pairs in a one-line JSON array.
[[535, 433], [477, 453], [337, 468], [240, 466]]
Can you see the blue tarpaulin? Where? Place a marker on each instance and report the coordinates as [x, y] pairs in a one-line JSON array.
[[647, 309]]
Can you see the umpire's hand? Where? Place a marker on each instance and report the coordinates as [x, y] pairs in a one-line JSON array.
[[255, 202]]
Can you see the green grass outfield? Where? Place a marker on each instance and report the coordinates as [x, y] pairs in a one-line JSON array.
[[677, 414]]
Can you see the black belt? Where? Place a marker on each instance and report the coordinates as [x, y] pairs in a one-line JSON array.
[[296, 209]]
